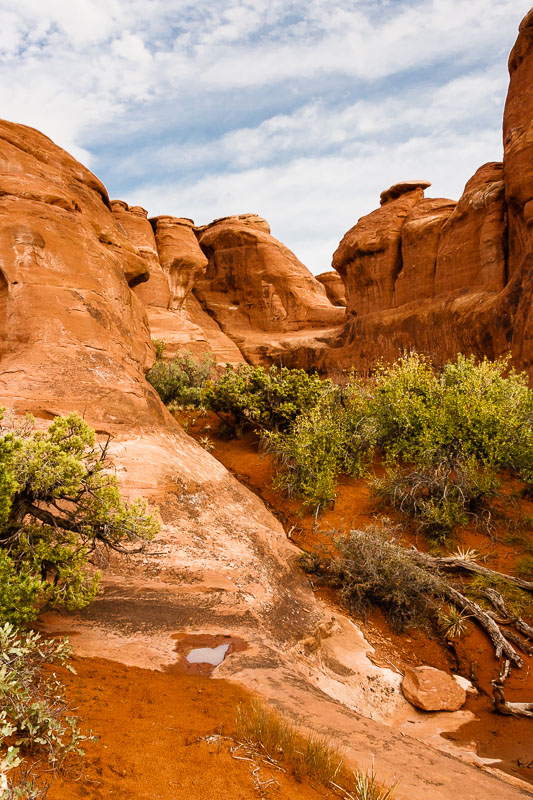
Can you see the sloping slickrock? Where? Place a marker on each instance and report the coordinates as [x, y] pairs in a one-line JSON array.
[[432, 689], [334, 286]]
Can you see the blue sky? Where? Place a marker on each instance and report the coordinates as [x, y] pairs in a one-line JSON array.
[[301, 112]]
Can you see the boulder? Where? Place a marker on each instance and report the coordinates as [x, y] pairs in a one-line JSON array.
[[432, 689]]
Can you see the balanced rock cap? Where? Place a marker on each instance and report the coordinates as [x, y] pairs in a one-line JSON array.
[[397, 189]]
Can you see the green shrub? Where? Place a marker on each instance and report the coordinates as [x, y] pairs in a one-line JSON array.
[[269, 399], [58, 503], [439, 497], [524, 568], [328, 440], [159, 346], [372, 568], [468, 410], [456, 428], [34, 718], [182, 379]]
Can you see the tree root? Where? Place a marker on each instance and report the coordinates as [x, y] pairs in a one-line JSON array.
[[500, 640], [501, 645], [502, 706], [455, 563]]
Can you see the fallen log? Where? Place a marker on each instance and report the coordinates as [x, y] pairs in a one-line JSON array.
[[502, 706]]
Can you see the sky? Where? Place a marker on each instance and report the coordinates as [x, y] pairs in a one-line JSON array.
[[301, 112]]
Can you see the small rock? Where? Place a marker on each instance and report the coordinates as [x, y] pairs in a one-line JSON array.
[[432, 689]]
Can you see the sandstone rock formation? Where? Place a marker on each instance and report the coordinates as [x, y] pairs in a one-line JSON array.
[[369, 257], [334, 286], [260, 294], [174, 260], [432, 689], [404, 187], [85, 340], [518, 181], [444, 277], [180, 257]]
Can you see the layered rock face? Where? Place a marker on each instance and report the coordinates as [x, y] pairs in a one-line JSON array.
[[518, 180], [67, 309], [257, 289], [174, 260], [444, 277]]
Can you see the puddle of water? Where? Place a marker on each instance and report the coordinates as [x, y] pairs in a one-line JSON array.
[[208, 655]]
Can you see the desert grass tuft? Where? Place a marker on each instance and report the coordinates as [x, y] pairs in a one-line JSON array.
[[312, 757], [367, 787], [275, 740]]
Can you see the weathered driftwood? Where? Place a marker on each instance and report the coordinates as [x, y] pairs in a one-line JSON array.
[[502, 646], [512, 619], [500, 639], [502, 706], [456, 563]]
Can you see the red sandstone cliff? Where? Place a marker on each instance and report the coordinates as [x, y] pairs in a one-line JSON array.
[[444, 277]]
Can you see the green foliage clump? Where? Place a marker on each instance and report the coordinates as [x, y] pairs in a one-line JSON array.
[[269, 399], [34, 717], [330, 439], [457, 428], [182, 379], [467, 410], [58, 503], [440, 496], [372, 568], [444, 435], [524, 568], [517, 600]]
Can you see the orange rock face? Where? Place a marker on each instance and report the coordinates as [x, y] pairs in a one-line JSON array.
[[334, 286], [518, 179], [443, 277], [259, 293], [181, 258], [369, 257], [267, 287], [134, 222], [473, 242], [73, 330]]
